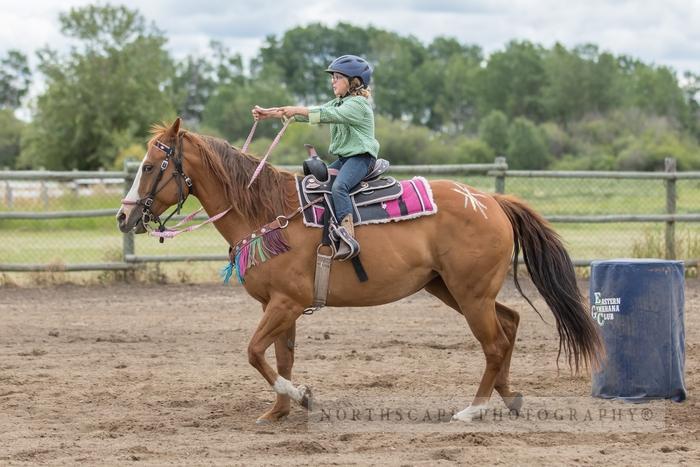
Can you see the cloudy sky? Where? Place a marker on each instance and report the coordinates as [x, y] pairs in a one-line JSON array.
[[665, 32]]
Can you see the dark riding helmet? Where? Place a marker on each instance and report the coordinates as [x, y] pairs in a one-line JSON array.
[[352, 66]]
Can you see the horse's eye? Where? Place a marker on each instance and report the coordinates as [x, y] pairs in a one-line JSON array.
[[147, 168]]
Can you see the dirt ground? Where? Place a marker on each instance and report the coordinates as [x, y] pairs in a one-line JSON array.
[[159, 375]]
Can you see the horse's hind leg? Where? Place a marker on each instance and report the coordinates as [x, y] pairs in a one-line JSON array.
[[494, 325], [438, 288], [509, 320]]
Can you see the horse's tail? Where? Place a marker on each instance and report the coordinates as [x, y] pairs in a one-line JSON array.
[[553, 274]]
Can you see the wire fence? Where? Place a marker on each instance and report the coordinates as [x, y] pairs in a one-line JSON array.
[[65, 220]]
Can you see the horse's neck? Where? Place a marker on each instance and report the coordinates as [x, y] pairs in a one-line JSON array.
[[233, 227]]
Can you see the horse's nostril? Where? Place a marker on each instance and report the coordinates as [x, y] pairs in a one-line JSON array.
[[121, 217]]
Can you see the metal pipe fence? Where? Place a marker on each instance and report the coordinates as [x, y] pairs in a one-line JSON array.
[[64, 221]]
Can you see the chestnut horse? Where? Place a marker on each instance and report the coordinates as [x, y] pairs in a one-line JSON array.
[[461, 255]]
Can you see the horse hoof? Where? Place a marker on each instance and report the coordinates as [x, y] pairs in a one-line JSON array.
[[471, 413], [270, 419], [307, 398], [515, 402]]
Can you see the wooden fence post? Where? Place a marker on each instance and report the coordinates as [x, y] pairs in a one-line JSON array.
[[128, 243], [8, 192], [44, 194], [670, 236], [501, 175]]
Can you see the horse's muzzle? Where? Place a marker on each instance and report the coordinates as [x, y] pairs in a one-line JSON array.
[[130, 219]]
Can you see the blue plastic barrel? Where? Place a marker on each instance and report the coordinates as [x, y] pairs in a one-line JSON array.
[[638, 306]]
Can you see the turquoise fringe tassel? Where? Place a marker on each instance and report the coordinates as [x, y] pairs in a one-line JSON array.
[[226, 272]]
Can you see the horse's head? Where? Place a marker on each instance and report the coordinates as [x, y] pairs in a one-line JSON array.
[[160, 182]]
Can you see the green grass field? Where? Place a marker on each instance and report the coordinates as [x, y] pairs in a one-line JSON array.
[[69, 241]]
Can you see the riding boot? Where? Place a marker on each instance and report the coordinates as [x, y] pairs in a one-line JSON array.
[[348, 248]]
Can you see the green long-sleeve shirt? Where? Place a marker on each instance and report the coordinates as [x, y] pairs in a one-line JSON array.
[[352, 125]]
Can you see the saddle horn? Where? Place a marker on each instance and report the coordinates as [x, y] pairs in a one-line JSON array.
[[314, 165]]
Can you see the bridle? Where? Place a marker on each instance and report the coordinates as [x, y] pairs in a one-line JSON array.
[[182, 180]]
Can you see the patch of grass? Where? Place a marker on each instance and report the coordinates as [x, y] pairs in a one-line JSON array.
[[71, 204], [652, 244], [65, 246], [6, 280]]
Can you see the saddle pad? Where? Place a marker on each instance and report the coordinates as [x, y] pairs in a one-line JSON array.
[[416, 200]]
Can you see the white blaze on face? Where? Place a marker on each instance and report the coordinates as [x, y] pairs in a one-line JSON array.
[[133, 195]]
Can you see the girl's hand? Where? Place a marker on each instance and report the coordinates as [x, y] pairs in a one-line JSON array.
[[260, 113]]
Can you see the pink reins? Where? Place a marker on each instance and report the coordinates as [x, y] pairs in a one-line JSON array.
[[172, 233], [274, 143]]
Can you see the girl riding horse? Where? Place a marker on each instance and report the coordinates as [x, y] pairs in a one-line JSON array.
[[351, 122]]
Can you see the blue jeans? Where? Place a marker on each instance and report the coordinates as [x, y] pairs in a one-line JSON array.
[[351, 171]]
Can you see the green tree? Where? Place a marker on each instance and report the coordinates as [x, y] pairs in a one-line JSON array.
[[228, 66], [192, 85], [604, 86], [579, 81], [472, 151], [15, 78], [527, 148], [104, 95], [691, 88], [564, 96], [558, 141], [448, 83], [513, 81], [456, 99], [399, 88], [228, 110], [10, 133], [493, 130], [656, 90], [442, 49], [302, 53], [197, 77]]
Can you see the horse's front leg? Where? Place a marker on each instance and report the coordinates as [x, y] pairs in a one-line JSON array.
[[284, 354], [278, 319]]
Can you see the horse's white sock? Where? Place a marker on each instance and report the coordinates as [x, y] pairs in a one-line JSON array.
[[472, 412], [284, 386]]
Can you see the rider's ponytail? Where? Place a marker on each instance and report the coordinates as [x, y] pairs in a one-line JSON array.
[[359, 89]]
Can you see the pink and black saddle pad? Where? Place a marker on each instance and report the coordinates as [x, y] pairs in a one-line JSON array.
[[376, 201]]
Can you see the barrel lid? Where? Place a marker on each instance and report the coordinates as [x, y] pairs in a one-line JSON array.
[[637, 261]]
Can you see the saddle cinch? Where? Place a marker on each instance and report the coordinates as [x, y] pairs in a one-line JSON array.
[[367, 197]]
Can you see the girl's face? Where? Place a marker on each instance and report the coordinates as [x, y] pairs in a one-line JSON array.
[[340, 84]]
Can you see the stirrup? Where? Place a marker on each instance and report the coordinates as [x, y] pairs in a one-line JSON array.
[[348, 248]]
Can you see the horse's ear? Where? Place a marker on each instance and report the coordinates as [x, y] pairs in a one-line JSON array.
[[175, 128]]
